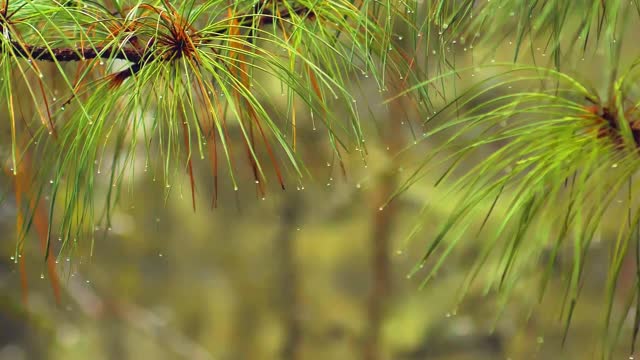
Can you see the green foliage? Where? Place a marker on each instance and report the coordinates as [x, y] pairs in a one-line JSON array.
[[177, 80], [534, 158]]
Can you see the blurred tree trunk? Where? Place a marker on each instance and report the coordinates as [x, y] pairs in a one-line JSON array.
[[114, 344], [382, 222], [380, 265], [288, 276]]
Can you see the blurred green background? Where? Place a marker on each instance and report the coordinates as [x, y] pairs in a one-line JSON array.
[[315, 272]]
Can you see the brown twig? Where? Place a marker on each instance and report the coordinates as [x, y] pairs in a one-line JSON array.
[[43, 53]]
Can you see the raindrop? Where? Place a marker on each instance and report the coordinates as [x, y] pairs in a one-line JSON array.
[[358, 186], [41, 276], [160, 254], [614, 165]]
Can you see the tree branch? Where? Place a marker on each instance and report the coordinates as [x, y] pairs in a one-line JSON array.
[[135, 55], [43, 53]]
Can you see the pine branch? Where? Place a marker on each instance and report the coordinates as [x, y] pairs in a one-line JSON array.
[[69, 54], [137, 55]]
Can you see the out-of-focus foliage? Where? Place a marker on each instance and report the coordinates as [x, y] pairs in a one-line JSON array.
[[511, 124]]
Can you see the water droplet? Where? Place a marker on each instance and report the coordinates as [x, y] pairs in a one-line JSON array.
[[41, 276], [358, 186], [160, 254], [614, 165]]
